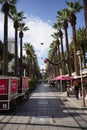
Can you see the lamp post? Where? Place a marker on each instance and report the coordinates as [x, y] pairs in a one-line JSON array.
[[79, 56]]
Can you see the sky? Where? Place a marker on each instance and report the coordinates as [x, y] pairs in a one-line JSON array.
[[40, 17]]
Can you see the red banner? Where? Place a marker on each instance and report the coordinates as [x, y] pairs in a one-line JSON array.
[[14, 86], [25, 82], [3, 85]]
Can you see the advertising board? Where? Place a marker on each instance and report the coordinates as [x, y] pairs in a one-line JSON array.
[[14, 86], [25, 82], [3, 86]]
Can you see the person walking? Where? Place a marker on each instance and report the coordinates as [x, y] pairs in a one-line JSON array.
[[76, 87], [77, 91]]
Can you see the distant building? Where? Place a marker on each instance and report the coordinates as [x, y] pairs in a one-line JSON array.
[[11, 45]]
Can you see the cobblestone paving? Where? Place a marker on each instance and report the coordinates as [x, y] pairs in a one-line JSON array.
[[46, 110]]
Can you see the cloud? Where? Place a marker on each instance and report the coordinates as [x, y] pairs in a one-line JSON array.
[[39, 32]]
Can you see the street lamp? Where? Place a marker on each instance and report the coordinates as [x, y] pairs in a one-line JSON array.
[[79, 56]]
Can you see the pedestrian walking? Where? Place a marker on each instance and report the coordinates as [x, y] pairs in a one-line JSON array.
[[76, 87], [77, 91]]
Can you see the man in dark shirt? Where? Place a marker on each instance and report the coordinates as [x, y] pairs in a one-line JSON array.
[[77, 91]]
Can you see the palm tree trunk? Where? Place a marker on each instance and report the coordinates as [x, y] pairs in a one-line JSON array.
[[20, 66], [16, 52], [76, 63], [76, 60], [59, 66], [84, 59], [85, 13], [20, 56], [62, 50], [21, 36], [5, 47], [55, 61], [68, 55], [28, 69]]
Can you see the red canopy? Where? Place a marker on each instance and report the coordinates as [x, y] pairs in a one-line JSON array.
[[63, 77]]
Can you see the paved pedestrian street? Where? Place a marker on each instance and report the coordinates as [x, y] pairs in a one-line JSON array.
[[46, 109]]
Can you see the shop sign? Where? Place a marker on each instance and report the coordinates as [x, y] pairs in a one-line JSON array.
[[3, 85], [25, 82], [14, 86]]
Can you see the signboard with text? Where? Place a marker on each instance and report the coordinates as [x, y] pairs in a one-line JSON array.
[[3, 86], [25, 82], [14, 86]]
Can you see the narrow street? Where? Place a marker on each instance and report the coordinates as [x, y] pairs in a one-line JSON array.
[[45, 109]]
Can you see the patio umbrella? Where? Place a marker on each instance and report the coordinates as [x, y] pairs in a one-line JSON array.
[[63, 77]]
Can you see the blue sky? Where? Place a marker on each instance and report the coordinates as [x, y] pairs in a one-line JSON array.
[[41, 15], [45, 9]]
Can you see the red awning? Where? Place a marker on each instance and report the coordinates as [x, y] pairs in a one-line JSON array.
[[63, 77]]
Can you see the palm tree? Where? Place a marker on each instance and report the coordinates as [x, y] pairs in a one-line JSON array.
[[22, 28], [49, 67], [58, 48], [63, 17], [54, 57], [16, 17], [6, 6], [71, 57], [28, 48], [55, 36], [74, 7], [54, 60], [32, 59], [85, 13], [82, 42], [58, 26]]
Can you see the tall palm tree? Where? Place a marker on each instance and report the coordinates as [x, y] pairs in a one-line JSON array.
[[58, 26], [54, 61], [6, 6], [49, 67], [63, 17], [32, 59], [82, 42], [22, 28], [71, 57], [74, 7], [54, 57], [16, 17], [55, 36], [60, 34], [85, 13], [28, 48]]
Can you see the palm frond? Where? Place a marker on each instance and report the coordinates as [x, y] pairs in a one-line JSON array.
[[74, 6], [22, 27]]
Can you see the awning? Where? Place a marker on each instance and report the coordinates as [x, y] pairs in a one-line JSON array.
[[63, 77]]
